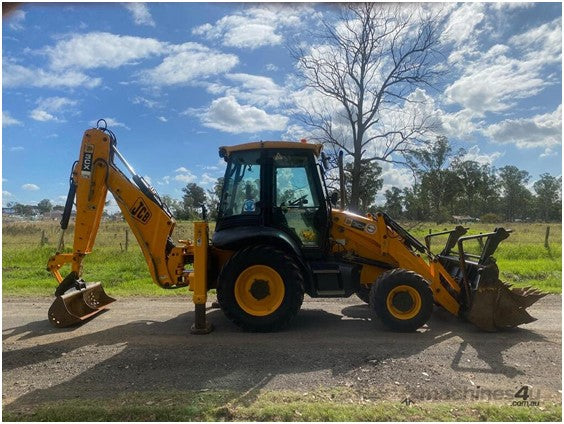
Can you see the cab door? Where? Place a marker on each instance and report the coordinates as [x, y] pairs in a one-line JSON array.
[[298, 203]]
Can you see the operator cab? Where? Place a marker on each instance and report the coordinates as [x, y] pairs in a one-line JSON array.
[[276, 186]]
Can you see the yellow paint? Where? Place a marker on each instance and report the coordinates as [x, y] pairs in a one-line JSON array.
[[271, 288], [415, 299]]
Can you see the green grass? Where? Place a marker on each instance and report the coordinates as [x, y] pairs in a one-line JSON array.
[[522, 258], [321, 405]]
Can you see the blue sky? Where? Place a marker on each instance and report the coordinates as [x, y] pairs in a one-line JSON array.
[[177, 80]]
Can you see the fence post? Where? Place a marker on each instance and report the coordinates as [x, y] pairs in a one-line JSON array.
[[546, 237], [42, 242], [126, 239]]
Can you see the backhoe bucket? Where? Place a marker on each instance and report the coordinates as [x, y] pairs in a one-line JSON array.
[[77, 305], [497, 306]]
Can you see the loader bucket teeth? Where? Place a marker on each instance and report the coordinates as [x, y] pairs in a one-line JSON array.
[[78, 305], [496, 306]]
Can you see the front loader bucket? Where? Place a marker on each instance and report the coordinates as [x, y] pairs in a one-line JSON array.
[[77, 305], [496, 305]]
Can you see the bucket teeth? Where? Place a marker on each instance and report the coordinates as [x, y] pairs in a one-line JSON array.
[[496, 305], [75, 306]]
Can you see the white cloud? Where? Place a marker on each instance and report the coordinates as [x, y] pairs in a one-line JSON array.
[[151, 104], [6, 193], [548, 152], [182, 175], [474, 154], [393, 176], [30, 187], [16, 149], [185, 178], [542, 44], [141, 14], [496, 79], [14, 75], [48, 108], [495, 83], [112, 123], [226, 114], [7, 120], [207, 181], [101, 50], [256, 90], [538, 131], [462, 23], [254, 27], [16, 19], [162, 119], [187, 64]]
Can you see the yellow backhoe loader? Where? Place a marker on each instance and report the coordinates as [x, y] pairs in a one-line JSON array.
[[278, 236]]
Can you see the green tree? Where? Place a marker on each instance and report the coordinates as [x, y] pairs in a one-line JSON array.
[[23, 210], [192, 201], [438, 183], [370, 184], [549, 197], [175, 206], [394, 201], [45, 206], [213, 198], [516, 197], [478, 188]]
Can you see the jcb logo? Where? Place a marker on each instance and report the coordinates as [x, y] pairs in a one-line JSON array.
[[86, 169], [140, 211]]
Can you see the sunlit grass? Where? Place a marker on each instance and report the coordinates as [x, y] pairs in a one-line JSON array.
[[522, 258]]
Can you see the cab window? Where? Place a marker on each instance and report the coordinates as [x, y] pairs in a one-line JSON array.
[[241, 187]]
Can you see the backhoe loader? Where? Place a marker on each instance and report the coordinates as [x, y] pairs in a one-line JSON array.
[[278, 236]]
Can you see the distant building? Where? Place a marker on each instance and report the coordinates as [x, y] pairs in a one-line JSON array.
[[460, 219]]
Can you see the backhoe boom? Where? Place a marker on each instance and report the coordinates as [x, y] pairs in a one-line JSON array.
[[93, 175]]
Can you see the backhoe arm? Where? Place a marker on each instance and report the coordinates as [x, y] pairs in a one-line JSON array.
[[93, 175], [150, 221]]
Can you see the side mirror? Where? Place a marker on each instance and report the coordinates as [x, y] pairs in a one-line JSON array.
[[325, 161], [334, 198]]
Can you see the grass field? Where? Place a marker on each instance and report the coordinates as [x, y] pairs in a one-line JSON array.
[[328, 405], [522, 258]]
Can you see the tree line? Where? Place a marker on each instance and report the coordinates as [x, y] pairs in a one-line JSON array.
[[447, 185]]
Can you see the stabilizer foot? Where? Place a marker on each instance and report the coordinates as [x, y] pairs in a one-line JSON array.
[[208, 328], [201, 326]]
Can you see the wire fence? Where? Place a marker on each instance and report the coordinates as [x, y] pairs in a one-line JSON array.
[[118, 236], [47, 234]]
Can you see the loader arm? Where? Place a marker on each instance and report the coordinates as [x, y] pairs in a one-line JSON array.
[[93, 175]]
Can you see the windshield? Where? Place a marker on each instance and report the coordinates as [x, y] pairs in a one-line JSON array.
[[241, 187]]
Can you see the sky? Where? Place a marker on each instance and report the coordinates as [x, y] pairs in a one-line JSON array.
[[175, 81]]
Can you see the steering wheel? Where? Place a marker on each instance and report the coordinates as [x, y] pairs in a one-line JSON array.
[[298, 202]]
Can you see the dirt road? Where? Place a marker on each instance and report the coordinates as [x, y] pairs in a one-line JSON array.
[[145, 345]]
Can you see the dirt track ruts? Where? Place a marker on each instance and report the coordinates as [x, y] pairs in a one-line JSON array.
[[144, 345]]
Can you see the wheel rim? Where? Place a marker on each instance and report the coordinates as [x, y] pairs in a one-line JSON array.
[[259, 290], [403, 302]]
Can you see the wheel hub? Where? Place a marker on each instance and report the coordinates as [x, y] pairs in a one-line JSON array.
[[402, 301], [260, 289]]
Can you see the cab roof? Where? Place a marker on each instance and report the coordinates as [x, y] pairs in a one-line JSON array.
[[225, 151]]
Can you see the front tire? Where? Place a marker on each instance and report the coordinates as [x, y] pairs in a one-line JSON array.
[[260, 289], [402, 299]]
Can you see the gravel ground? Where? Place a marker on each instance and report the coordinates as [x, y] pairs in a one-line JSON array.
[[143, 344]]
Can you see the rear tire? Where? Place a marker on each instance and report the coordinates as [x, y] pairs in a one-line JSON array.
[[363, 293], [260, 289], [402, 299]]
